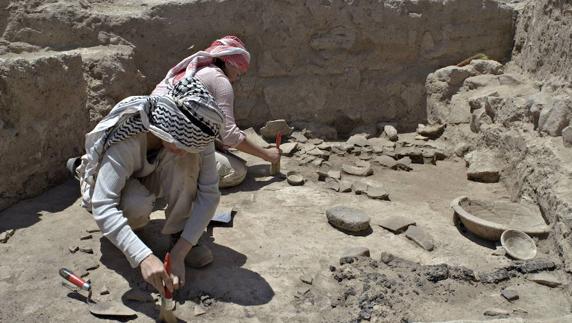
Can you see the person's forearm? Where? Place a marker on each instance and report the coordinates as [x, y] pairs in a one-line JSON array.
[[251, 148]]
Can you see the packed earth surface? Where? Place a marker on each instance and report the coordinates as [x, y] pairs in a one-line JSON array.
[[391, 112]]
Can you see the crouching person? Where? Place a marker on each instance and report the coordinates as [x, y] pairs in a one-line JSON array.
[[148, 148]]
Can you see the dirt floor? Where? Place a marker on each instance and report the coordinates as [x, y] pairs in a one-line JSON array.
[[279, 234]]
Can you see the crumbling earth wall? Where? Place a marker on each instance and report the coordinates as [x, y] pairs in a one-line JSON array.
[[331, 65], [521, 111], [543, 41]]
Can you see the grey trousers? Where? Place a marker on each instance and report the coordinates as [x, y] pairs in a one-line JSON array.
[[174, 179]]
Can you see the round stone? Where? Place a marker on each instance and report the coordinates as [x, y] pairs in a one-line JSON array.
[[348, 219]]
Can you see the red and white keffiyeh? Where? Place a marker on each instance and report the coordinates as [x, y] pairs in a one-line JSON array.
[[230, 49]]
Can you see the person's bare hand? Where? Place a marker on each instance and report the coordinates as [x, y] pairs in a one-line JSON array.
[[153, 272], [178, 270], [272, 155]]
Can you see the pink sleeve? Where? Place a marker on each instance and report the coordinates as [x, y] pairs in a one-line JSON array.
[[224, 96]]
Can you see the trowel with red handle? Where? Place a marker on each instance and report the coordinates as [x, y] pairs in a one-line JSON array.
[[96, 308], [167, 302]]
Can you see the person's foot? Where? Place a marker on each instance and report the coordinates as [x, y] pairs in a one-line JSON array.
[[72, 164], [199, 256]]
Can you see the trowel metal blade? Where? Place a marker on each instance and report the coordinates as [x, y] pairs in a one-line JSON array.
[[111, 309], [223, 215]]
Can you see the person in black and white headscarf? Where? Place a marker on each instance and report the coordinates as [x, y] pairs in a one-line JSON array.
[[151, 147]]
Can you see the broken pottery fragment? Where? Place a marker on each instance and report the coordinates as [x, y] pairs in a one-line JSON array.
[[358, 140], [377, 193], [510, 295], [332, 184], [396, 223], [431, 131], [315, 141], [288, 148], [420, 237], [317, 162], [359, 187], [335, 174], [273, 127], [545, 279], [385, 161], [345, 186], [325, 146], [348, 219], [361, 170], [299, 137]]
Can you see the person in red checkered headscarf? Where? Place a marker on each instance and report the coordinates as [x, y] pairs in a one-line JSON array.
[[217, 67]]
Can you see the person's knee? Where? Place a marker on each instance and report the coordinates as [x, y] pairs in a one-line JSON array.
[[136, 204]]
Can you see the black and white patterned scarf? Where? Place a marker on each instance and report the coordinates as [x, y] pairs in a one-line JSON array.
[[192, 131], [187, 117]]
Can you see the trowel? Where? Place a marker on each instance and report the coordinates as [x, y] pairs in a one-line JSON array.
[[95, 308]]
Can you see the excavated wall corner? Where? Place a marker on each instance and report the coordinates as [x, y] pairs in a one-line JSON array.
[[331, 65]]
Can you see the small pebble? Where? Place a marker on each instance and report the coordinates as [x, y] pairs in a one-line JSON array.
[[104, 291], [86, 237], [86, 250], [306, 278], [73, 249], [199, 310], [91, 267], [510, 295]]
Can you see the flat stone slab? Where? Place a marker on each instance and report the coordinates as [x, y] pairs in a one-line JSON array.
[[335, 174], [299, 137], [357, 170], [385, 161], [377, 193], [396, 223], [358, 140], [545, 279], [354, 252], [359, 187], [348, 219], [483, 167], [289, 148], [315, 141], [510, 295], [420, 237]]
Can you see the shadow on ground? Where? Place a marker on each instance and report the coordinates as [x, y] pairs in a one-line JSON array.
[[224, 280], [257, 177], [28, 212]]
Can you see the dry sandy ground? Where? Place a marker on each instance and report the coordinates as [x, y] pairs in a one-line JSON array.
[[279, 233]]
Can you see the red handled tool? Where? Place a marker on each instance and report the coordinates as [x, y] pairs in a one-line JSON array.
[[275, 169], [278, 140], [74, 279], [167, 264], [167, 303]]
